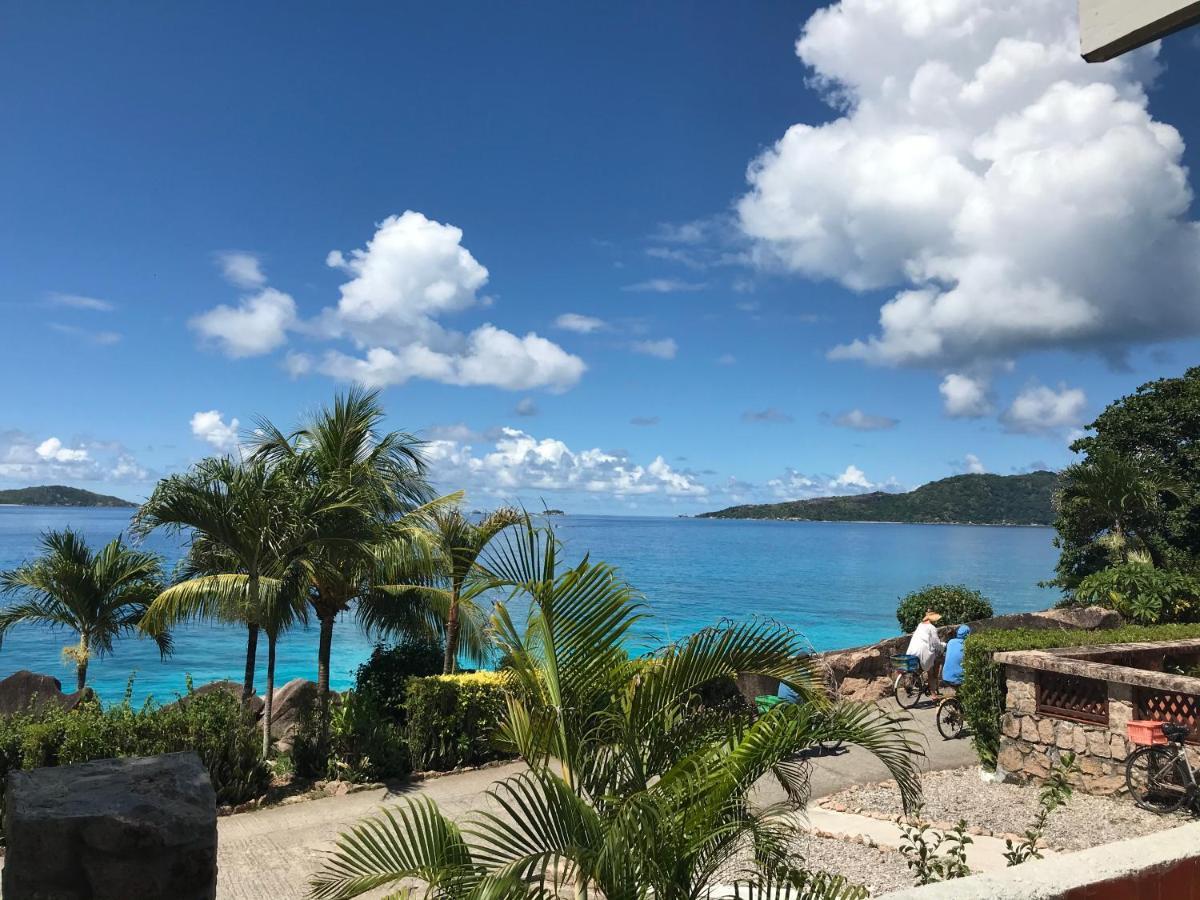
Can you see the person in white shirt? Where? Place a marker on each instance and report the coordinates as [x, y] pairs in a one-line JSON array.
[[926, 646]]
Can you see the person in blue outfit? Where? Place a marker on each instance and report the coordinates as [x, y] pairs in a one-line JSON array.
[[952, 669]]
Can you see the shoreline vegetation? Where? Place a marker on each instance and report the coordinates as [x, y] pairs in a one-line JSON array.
[[59, 495], [1013, 500]]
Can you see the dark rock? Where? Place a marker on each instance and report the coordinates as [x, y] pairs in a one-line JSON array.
[[24, 690], [291, 702], [112, 829]]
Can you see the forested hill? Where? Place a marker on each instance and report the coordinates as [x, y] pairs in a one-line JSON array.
[[974, 499], [58, 495]]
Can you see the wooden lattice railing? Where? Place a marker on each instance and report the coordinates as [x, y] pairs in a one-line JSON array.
[[1072, 697], [1169, 706]]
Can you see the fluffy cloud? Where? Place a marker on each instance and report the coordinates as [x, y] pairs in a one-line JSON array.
[[412, 272], [663, 349], [970, 465], [580, 324], [964, 397], [242, 269], [768, 415], [861, 421], [212, 429], [1041, 410], [795, 485], [1016, 197], [257, 325], [519, 462], [27, 460]]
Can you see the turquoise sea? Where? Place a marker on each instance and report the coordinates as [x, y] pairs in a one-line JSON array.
[[836, 582]]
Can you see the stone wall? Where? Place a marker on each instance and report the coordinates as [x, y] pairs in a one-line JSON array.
[[1030, 743]]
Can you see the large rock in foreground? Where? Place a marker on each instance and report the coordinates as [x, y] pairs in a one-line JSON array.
[[24, 691], [112, 829], [290, 703]]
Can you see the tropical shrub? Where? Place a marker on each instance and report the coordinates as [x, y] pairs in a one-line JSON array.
[[214, 725], [956, 602], [363, 742], [983, 690], [1142, 593], [633, 789], [383, 679], [452, 720]]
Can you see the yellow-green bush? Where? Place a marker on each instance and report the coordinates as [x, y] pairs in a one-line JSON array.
[[452, 719]]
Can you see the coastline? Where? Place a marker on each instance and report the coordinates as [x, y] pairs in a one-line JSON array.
[[868, 521]]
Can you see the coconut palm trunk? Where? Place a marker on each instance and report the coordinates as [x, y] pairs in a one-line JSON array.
[[450, 662], [251, 659], [269, 704], [81, 664]]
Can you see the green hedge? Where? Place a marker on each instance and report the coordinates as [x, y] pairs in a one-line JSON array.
[[383, 679], [215, 725], [983, 690], [452, 719], [956, 602]]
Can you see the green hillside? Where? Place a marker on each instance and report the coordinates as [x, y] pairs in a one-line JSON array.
[[58, 495], [974, 499]]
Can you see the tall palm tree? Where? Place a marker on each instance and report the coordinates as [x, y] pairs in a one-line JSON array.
[[209, 586], [100, 596], [1118, 495], [457, 544], [634, 788], [344, 445]]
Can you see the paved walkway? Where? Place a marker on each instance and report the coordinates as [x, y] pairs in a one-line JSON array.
[[269, 854]]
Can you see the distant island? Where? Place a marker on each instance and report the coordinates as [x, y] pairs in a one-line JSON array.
[[58, 495], [553, 512], [966, 499]]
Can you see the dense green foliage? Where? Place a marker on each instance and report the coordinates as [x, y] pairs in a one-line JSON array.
[[633, 789], [956, 602], [983, 689], [1142, 593], [452, 720], [362, 742], [59, 495], [215, 725], [1155, 432], [383, 679], [973, 499]]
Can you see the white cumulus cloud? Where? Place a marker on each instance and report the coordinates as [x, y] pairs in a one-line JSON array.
[[213, 430], [1041, 409], [970, 465], [52, 450], [964, 397], [242, 269], [1014, 197], [25, 460], [518, 462], [257, 325]]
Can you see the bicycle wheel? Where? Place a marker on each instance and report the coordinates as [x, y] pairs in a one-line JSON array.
[[950, 720], [1155, 779], [907, 690]]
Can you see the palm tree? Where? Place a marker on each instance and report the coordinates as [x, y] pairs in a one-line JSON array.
[[1118, 495], [635, 789], [343, 445], [457, 544], [100, 596]]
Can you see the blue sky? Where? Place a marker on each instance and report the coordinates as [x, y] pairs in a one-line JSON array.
[[649, 258]]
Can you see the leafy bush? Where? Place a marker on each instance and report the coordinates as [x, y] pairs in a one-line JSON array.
[[956, 602], [983, 689], [452, 719], [214, 725], [364, 743], [1139, 591], [383, 679]]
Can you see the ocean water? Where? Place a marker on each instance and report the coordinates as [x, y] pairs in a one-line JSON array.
[[836, 582]]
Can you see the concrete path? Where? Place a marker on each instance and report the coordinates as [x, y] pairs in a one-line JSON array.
[[270, 854]]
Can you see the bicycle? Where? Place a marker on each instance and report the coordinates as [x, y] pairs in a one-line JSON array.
[[911, 683], [1158, 774]]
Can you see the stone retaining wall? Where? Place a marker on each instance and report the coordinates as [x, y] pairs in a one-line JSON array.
[[1030, 744]]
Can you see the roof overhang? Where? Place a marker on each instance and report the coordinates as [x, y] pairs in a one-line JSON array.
[[1108, 28]]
